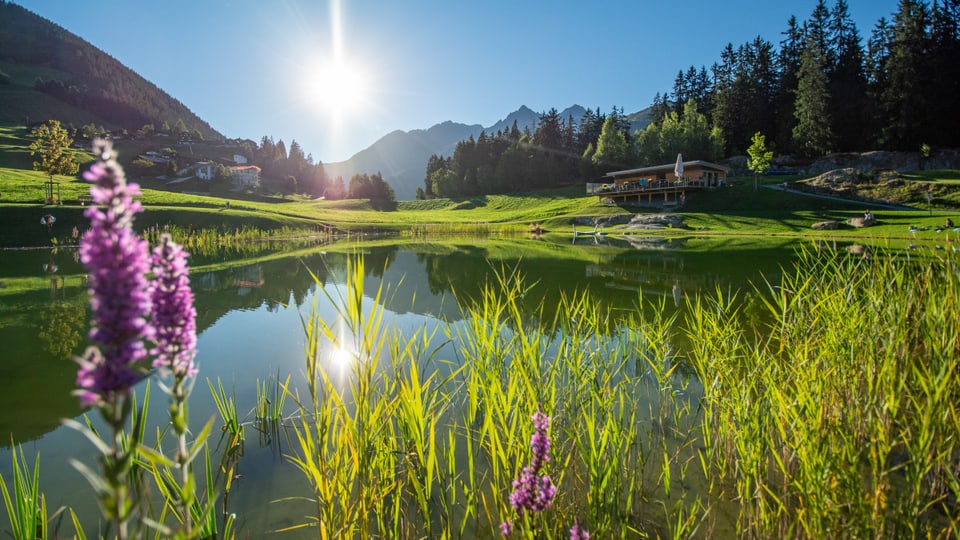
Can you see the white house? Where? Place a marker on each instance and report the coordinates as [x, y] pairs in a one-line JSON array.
[[240, 159], [245, 176], [205, 170]]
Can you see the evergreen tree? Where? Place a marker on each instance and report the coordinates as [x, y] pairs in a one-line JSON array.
[[335, 189], [812, 136], [904, 99], [659, 109], [549, 134], [847, 81], [944, 90], [878, 50], [788, 64]]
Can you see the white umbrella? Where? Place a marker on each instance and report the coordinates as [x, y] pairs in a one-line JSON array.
[[678, 169]]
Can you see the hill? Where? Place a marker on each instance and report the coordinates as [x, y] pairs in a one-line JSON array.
[[53, 73]]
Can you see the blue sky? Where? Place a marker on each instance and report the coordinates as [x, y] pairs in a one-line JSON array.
[[250, 67]]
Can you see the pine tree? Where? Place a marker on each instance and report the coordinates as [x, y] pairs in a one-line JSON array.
[[812, 136], [848, 82], [788, 63], [944, 90], [904, 99]]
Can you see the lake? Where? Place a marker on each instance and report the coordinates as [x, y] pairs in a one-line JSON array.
[[250, 316]]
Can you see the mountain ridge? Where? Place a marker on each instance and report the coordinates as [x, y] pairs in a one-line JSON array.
[[91, 85], [401, 156]]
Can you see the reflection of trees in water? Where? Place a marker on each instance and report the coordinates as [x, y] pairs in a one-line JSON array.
[[274, 283], [62, 328]]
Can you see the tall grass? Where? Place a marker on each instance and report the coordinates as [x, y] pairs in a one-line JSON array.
[[831, 415], [837, 420], [427, 439], [841, 421]]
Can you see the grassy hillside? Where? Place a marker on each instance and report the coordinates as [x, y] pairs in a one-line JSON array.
[[81, 84], [22, 105]]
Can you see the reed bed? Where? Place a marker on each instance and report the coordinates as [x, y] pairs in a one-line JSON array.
[[841, 421], [822, 405], [836, 419]]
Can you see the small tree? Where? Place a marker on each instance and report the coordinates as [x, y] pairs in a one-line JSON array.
[[51, 145], [759, 160]]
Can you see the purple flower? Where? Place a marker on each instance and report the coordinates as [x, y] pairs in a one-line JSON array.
[[535, 491], [577, 533], [540, 441], [174, 317], [118, 262], [506, 528]]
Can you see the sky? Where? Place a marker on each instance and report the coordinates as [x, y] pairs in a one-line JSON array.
[[337, 75]]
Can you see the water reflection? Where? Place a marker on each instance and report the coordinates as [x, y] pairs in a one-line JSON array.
[[250, 320], [43, 320]]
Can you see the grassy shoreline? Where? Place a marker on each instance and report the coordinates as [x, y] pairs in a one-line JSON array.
[[739, 209]]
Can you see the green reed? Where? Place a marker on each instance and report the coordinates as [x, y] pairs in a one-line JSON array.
[[26, 505], [427, 439], [227, 407], [841, 420], [271, 397]]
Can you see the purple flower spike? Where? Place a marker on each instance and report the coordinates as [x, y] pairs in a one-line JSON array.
[[118, 262], [174, 317], [535, 491], [506, 528], [578, 533], [540, 441]]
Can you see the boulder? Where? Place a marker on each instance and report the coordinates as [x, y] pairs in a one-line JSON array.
[[860, 222], [825, 226]]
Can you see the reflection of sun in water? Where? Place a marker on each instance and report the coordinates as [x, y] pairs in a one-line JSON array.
[[341, 356], [341, 353]]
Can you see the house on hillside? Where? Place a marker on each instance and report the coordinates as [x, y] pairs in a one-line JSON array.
[[205, 170], [245, 176], [240, 159], [645, 183]]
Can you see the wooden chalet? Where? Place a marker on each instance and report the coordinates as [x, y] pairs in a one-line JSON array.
[[659, 185]]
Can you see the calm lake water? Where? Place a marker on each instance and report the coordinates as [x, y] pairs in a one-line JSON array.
[[249, 325]]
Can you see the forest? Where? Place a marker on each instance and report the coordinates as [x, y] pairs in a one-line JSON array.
[[822, 89]]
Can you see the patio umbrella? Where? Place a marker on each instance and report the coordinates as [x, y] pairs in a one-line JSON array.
[[678, 169]]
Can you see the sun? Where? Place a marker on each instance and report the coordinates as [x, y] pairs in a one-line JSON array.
[[339, 88]]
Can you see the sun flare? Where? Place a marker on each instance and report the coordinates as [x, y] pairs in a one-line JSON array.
[[339, 87]]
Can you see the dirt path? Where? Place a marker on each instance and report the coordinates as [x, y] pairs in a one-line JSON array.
[[841, 199]]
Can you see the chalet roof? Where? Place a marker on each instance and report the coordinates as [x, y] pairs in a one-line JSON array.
[[668, 168], [244, 167]]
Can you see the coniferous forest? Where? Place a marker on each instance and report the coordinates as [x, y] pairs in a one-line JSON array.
[[825, 87]]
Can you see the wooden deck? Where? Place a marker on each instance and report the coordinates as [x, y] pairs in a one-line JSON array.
[[656, 193]]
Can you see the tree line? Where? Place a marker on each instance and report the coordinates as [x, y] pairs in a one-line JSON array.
[[823, 89], [297, 172], [561, 151]]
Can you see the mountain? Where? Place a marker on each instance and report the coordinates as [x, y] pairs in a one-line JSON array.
[[52, 73], [402, 156]]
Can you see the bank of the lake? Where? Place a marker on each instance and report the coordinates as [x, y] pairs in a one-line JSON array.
[[740, 208]]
